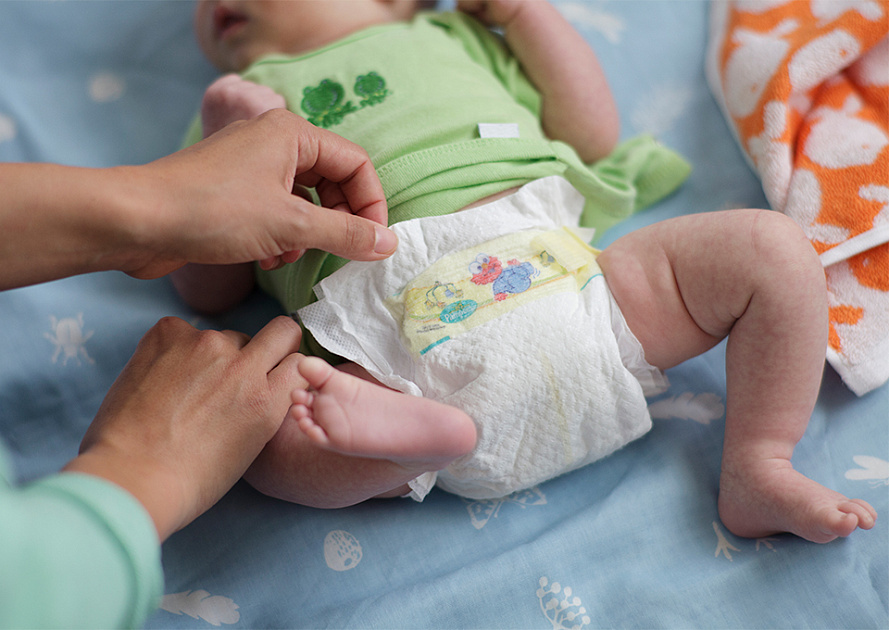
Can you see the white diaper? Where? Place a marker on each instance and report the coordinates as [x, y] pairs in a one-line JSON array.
[[502, 312]]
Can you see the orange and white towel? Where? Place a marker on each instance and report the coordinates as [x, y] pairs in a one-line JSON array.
[[804, 84]]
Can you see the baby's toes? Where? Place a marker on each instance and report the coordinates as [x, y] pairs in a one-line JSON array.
[[867, 515], [312, 430], [301, 397]]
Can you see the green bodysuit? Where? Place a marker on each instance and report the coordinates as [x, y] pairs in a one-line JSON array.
[[414, 95]]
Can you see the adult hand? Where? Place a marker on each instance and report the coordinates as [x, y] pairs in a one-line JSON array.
[[229, 198], [229, 99], [189, 413]]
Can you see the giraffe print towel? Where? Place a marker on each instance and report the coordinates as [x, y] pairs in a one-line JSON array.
[[804, 85]]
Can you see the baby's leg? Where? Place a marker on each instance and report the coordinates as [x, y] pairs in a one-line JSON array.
[[351, 415], [384, 438], [293, 468], [685, 284]]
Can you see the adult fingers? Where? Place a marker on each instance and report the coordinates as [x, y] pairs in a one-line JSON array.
[[325, 156], [278, 339], [346, 235], [238, 338], [286, 377], [271, 263], [339, 196]]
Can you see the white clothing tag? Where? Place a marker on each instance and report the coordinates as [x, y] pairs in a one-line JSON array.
[[498, 130]]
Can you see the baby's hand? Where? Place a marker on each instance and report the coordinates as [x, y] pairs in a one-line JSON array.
[[232, 98], [492, 12]]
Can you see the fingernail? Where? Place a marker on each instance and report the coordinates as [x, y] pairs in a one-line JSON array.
[[292, 257], [266, 263], [385, 242]]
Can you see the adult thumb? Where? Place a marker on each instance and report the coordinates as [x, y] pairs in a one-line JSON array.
[[350, 236]]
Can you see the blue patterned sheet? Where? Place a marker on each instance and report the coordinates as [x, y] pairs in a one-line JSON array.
[[631, 541]]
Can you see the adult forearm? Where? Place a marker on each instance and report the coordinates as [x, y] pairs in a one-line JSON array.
[[60, 221]]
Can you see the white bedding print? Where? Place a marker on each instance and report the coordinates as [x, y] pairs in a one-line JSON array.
[[631, 541]]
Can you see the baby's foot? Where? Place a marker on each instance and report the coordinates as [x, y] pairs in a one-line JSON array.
[[760, 498], [353, 416]]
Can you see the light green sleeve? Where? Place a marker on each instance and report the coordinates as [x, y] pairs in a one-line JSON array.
[[75, 551]]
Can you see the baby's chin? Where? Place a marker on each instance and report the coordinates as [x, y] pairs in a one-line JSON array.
[[238, 63], [238, 59]]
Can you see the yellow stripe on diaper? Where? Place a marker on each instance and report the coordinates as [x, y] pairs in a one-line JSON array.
[[471, 287]]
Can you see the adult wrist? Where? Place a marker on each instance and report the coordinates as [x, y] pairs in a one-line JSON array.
[[155, 492], [137, 216]]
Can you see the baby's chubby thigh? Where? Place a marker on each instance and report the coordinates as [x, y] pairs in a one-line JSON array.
[[652, 294]]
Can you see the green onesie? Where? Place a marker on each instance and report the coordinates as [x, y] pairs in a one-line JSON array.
[[422, 98]]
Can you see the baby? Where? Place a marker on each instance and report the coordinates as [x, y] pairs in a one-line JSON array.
[[524, 352]]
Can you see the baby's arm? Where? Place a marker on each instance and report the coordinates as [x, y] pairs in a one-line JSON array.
[[578, 107], [217, 288]]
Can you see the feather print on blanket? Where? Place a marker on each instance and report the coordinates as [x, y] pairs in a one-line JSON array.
[[804, 85]]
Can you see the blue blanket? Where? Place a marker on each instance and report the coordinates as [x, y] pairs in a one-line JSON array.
[[631, 541]]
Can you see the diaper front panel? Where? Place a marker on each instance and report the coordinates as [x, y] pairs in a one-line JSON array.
[[502, 312]]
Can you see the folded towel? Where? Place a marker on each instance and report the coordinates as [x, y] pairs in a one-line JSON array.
[[804, 85]]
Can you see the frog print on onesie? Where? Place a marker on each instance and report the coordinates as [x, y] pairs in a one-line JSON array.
[[326, 105]]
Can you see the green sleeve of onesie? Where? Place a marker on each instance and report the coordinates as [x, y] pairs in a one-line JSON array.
[[76, 551]]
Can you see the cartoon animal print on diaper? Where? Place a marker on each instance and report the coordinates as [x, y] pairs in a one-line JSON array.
[[516, 278], [466, 289], [440, 295]]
